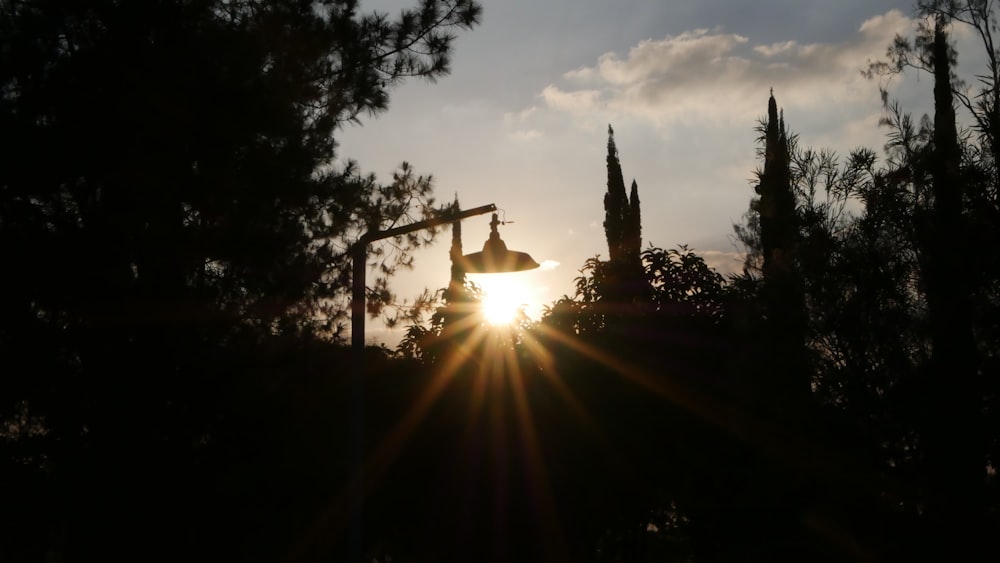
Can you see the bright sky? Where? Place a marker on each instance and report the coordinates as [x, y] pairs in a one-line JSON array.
[[522, 119]]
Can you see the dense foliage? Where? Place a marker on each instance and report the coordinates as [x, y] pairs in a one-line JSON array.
[[176, 234]]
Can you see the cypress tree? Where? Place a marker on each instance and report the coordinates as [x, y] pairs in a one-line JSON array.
[[782, 291], [633, 228], [777, 202], [456, 285], [623, 222], [622, 226], [615, 203], [952, 391]]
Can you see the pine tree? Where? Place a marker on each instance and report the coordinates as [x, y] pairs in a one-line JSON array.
[[172, 212]]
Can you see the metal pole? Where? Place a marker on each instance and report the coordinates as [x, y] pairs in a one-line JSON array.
[[359, 258]]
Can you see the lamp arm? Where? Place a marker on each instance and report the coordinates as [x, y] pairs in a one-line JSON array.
[[372, 236], [359, 259]]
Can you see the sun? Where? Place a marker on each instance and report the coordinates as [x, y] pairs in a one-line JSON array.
[[503, 298], [499, 309]]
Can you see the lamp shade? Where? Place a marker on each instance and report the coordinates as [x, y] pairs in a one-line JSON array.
[[495, 258]]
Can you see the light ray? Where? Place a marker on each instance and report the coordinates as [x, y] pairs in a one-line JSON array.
[[554, 540], [788, 444], [334, 518]]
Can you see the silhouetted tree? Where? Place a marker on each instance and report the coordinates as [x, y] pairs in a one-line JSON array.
[[781, 293], [623, 230], [831, 328], [615, 203], [633, 226], [953, 175], [955, 449], [454, 319], [173, 223], [677, 340]]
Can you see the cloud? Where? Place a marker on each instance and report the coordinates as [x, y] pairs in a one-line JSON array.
[[520, 124], [683, 56], [549, 265], [579, 101], [725, 263], [775, 49], [710, 76], [525, 134]]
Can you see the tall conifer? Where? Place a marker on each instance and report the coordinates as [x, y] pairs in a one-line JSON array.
[[952, 393], [622, 226], [777, 202], [782, 292], [633, 227], [615, 202]]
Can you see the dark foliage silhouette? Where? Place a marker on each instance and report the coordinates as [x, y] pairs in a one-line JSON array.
[[175, 230], [174, 233]]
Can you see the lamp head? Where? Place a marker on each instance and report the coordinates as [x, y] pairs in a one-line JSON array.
[[495, 258]]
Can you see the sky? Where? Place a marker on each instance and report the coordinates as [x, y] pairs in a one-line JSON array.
[[521, 121]]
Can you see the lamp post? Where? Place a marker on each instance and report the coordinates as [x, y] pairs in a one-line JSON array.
[[359, 258], [494, 258]]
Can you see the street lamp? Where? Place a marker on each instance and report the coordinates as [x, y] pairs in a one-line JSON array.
[[494, 258]]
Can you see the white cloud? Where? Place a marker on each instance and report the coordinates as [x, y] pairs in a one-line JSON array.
[[520, 125], [549, 264], [579, 101], [684, 55], [775, 49], [723, 262], [525, 134], [713, 77]]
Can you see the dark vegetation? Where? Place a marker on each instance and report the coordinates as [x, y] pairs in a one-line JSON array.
[[175, 240]]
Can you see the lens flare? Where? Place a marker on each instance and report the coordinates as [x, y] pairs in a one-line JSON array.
[[503, 299]]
